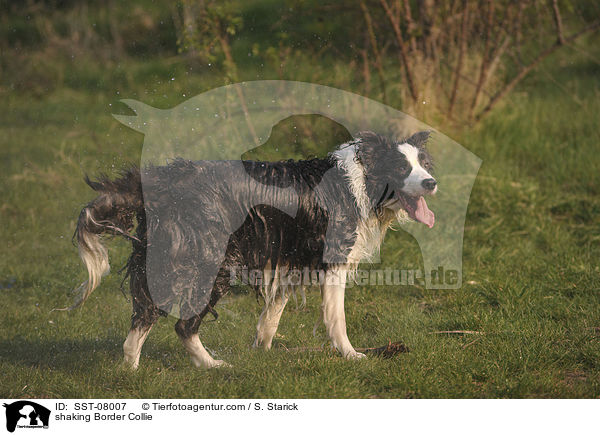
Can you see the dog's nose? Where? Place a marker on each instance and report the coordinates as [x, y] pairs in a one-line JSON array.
[[429, 183]]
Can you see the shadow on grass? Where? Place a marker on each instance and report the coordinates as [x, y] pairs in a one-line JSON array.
[[63, 354]]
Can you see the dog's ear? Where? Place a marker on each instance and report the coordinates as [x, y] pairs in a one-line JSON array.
[[419, 139], [371, 146], [373, 139]]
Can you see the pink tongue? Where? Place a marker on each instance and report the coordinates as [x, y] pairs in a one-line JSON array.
[[423, 214]]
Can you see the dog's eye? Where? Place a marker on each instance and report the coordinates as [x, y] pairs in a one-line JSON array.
[[425, 162], [403, 167]]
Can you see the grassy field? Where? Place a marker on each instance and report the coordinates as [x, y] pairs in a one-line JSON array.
[[531, 274]]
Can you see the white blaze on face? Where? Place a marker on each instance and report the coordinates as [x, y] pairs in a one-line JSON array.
[[413, 183]]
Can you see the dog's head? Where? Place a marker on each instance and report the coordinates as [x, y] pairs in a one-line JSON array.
[[398, 174]]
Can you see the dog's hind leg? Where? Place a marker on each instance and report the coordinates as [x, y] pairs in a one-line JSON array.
[[141, 323], [144, 317], [334, 318], [145, 313], [187, 330], [275, 297], [269, 321]]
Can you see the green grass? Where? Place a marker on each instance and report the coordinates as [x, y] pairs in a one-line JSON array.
[[531, 274]]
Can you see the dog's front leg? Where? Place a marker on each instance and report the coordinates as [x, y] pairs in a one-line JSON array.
[[334, 317]]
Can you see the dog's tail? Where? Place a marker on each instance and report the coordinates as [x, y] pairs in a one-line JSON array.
[[113, 211]]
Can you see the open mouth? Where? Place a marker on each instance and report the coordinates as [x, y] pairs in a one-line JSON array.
[[417, 209]]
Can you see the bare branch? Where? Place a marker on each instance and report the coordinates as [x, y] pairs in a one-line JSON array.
[[486, 55], [390, 350], [462, 332], [410, 25], [543, 55], [375, 47], [519, 29], [403, 51], [496, 60], [558, 22], [427, 23], [461, 54]]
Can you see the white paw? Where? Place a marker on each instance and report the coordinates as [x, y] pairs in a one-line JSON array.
[[205, 363], [261, 345], [220, 363], [355, 355], [130, 363]]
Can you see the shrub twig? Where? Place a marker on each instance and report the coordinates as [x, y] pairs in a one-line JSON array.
[[527, 69]]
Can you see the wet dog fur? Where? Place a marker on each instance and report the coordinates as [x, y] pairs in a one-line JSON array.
[[367, 184]]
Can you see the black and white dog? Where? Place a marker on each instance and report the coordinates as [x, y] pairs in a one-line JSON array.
[[341, 208]]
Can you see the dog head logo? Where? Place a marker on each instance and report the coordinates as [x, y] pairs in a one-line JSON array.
[[26, 414], [225, 123]]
